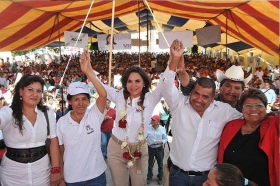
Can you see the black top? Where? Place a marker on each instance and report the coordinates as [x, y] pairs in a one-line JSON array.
[[243, 151]]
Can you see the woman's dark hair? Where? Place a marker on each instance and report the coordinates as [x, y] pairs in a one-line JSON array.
[[69, 97], [254, 94], [206, 83], [107, 42], [146, 79], [16, 105], [230, 175]]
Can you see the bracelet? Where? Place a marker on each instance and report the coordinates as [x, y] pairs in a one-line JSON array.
[[55, 170]]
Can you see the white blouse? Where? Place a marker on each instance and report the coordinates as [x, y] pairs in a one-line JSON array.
[[38, 172], [33, 136], [133, 117]]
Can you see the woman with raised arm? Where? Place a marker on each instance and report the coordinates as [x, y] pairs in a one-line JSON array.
[[127, 149], [79, 132]]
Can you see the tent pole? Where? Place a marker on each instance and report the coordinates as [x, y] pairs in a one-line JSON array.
[[139, 44], [91, 35], [111, 43], [226, 34], [147, 31], [57, 18]]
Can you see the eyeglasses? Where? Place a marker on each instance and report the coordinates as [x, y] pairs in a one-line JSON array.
[[250, 106]]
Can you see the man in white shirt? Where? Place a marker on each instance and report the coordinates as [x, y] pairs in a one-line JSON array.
[[197, 124], [259, 73]]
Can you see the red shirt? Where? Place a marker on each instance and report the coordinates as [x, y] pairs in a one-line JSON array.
[[108, 124]]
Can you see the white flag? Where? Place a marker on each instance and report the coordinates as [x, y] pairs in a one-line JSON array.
[[72, 37], [185, 36], [208, 35]]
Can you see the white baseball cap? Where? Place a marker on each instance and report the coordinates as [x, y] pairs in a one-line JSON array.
[[77, 88]]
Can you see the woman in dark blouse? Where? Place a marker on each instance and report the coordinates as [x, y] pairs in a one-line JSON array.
[[251, 143]]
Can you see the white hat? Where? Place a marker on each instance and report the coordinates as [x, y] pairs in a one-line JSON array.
[[234, 73], [77, 88], [51, 88]]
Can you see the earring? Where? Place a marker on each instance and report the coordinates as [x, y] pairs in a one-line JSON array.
[[144, 85], [20, 98]]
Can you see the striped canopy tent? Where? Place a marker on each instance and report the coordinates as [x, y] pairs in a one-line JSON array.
[[33, 24]]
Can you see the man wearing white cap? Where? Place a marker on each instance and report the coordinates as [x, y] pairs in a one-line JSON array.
[[232, 84]]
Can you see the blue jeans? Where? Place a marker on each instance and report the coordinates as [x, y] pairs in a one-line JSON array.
[[98, 181], [177, 178], [155, 153], [105, 136]]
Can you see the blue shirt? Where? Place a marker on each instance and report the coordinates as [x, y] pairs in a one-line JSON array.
[[155, 135], [270, 95]]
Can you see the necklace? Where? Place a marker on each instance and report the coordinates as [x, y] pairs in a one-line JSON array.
[[129, 154]]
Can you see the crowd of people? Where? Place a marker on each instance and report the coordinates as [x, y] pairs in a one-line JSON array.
[[220, 114]]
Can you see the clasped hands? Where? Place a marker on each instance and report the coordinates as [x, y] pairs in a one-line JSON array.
[[176, 58]]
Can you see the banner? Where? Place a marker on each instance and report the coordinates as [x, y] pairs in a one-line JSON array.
[[251, 60], [208, 35], [241, 60], [185, 36], [72, 37], [120, 42], [257, 61]]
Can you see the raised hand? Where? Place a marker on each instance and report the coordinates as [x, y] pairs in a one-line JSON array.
[[176, 53], [176, 48], [85, 62]]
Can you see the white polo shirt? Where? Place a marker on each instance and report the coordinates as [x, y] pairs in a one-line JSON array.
[[83, 159]]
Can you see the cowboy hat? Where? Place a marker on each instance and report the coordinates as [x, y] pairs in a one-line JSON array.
[[234, 73]]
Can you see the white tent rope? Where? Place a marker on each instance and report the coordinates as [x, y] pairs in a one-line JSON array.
[[111, 42], [74, 46], [157, 23]]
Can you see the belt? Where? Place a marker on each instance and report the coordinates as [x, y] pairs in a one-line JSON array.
[[160, 147], [26, 155], [190, 173]]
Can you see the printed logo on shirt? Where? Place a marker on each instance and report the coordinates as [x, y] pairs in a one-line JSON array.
[[89, 130]]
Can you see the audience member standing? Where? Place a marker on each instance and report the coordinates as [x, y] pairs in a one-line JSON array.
[[106, 127], [3, 81], [164, 112], [156, 139], [259, 73], [270, 95]]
